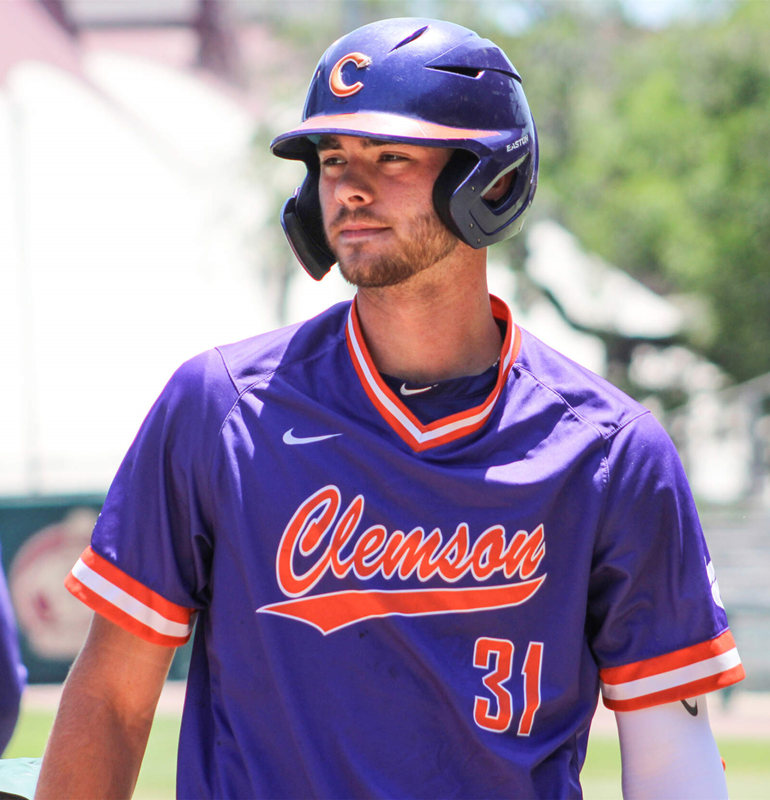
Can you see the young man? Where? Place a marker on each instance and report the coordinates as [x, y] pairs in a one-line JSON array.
[[417, 541]]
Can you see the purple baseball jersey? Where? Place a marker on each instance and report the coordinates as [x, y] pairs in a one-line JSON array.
[[391, 601], [13, 674]]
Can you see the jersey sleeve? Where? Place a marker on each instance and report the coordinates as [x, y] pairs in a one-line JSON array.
[[656, 623], [147, 566]]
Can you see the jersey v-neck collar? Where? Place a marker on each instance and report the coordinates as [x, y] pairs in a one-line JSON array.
[[447, 429]]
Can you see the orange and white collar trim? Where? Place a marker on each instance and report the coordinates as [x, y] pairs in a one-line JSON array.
[[418, 436]]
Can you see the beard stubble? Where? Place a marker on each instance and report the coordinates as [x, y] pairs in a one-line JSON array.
[[428, 241]]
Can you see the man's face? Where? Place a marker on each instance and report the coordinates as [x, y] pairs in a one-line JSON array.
[[377, 205]]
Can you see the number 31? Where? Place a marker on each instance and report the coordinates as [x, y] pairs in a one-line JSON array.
[[496, 655]]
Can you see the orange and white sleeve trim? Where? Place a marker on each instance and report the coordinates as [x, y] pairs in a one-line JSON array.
[[684, 673], [126, 602]]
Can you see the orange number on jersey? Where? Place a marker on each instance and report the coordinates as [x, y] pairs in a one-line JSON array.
[[496, 655], [501, 651], [533, 663]]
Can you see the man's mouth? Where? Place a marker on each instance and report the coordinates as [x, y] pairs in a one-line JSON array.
[[355, 232]]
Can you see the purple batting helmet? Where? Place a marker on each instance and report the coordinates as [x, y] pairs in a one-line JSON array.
[[425, 82]]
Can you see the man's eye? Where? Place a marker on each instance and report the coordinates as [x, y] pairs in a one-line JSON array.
[[393, 157], [331, 161]]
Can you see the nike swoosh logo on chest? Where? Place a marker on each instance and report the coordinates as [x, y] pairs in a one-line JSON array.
[[291, 439]]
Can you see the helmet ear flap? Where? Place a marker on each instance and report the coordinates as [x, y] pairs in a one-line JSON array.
[[460, 165], [302, 223], [462, 205]]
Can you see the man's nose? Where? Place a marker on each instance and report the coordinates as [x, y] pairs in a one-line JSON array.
[[353, 188]]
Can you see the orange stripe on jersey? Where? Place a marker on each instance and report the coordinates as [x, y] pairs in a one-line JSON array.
[[422, 437], [683, 692], [699, 669], [147, 597], [330, 612], [669, 661], [114, 614], [115, 595]]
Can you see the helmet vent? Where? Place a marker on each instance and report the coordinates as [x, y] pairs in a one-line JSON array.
[[468, 72], [415, 35]]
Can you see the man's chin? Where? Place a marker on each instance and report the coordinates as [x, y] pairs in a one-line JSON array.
[[365, 280], [368, 274]]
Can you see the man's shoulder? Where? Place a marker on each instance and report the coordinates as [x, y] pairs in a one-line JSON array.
[[249, 361], [217, 377], [591, 397]]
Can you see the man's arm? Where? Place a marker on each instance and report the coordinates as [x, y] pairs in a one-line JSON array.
[[100, 733], [669, 751]]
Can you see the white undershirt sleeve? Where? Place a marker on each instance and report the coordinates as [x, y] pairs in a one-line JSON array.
[[668, 753]]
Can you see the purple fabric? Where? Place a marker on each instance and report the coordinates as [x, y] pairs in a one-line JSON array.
[[319, 670], [12, 672]]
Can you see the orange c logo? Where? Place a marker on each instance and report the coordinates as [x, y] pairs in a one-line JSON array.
[[337, 84]]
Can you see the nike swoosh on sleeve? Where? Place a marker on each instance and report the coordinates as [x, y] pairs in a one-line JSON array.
[[692, 710]]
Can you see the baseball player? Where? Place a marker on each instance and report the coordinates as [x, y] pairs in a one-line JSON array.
[[415, 543], [13, 674]]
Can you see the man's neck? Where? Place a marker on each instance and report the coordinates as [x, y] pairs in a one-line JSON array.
[[432, 327]]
